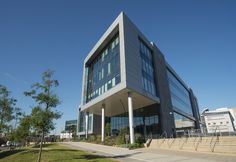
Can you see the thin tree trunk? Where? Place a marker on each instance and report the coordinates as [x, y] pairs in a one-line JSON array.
[[41, 146]]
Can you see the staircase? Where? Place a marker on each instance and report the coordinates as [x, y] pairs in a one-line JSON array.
[[218, 144]]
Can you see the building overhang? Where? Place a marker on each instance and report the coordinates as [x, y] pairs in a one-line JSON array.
[[117, 103]]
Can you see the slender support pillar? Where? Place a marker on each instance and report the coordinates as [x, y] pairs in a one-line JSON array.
[[86, 125], [131, 120], [103, 124]]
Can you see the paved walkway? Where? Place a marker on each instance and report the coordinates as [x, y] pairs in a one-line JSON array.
[[150, 155]]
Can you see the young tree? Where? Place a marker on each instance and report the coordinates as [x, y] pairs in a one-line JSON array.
[[22, 132], [7, 104], [17, 115], [42, 114]]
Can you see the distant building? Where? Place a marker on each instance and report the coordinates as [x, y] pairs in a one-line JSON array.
[[65, 135], [220, 120], [70, 124], [93, 123], [70, 127], [233, 113]]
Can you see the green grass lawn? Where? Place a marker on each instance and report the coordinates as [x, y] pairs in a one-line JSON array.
[[51, 152]]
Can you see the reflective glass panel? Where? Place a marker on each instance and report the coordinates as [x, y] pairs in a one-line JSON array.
[[147, 69], [104, 71], [179, 95]]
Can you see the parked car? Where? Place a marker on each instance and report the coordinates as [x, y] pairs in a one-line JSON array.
[[9, 143]]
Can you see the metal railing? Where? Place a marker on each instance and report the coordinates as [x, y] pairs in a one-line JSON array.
[[171, 140], [217, 132], [196, 144], [163, 136], [197, 139]]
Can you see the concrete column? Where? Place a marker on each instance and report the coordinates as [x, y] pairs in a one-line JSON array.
[[86, 125], [103, 124], [131, 118]]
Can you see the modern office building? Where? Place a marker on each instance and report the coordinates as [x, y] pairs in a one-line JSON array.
[[127, 82]]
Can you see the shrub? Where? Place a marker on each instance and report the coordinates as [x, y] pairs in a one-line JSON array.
[[98, 139], [82, 139], [139, 138], [109, 140], [135, 145], [120, 139], [92, 138]]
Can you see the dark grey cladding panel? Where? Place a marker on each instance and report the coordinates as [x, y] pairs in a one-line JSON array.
[[97, 123], [132, 56], [165, 108]]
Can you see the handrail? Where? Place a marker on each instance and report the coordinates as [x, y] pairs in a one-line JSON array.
[[197, 143], [185, 140], [148, 142], [171, 138], [164, 133], [215, 133], [148, 139], [212, 147]]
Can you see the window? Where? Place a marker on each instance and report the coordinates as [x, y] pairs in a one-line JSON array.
[[147, 69], [108, 68], [109, 84], [179, 95], [182, 122], [102, 73], [90, 123], [105, 87], [113, 82], [102, 89], [145, 121], [102, 69]]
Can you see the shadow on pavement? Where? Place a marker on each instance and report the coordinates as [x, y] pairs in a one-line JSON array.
[[124, 156]]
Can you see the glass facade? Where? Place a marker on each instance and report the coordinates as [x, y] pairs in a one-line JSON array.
[[179, 95], [104, 71], [90, 121], [146, 121], [82, 122], [147, 69], [182, 123]]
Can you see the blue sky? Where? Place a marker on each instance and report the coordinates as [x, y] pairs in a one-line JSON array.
[[198, 38]]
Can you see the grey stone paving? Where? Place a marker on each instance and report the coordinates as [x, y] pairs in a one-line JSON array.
[[150, 155]]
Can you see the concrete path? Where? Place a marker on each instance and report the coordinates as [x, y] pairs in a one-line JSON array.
[[150, 155]]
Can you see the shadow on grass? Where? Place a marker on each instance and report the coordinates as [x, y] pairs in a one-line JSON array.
[[90, 157], [44, 145], [61, 150], [100, 157], [9, 153], [125, 155]]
